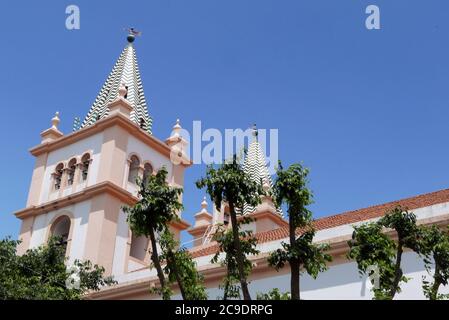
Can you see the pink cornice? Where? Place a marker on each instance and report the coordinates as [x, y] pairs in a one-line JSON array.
[[89, 192], [115, 119]]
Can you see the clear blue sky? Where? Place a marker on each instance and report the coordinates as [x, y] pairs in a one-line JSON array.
[[367, 111]]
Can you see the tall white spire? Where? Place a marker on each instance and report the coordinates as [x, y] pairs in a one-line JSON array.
[[255, 165], [125, 71]]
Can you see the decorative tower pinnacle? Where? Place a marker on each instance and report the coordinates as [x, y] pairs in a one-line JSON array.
[[53, 132], [202, 229], [177, 128], [122, 91], [204, 205], [175, 135], [121, 104], [55, 121], [125, 73], [178, 145], [255, 166]]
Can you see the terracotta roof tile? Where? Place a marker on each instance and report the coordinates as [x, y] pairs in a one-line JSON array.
[[348, 217]]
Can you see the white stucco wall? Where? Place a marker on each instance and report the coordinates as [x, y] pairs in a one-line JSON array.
[[340, 281], [121, 244], [80, 213]]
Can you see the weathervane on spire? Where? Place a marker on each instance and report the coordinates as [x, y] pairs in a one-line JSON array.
[[132, 33]]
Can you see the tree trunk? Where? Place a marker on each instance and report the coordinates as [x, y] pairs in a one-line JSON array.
[[226, 287], [239, 254], [397, 272], [294, 264], [173, 265], [156, 262], [436, 283]]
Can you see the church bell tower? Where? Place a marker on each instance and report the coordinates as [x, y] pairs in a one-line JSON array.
[[81, 180]]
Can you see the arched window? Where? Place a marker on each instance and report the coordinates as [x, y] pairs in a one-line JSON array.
[[226, 216], [58, 176], [139, 247], [133, 169], [147, 171], [85, 163], [61, 229], [71, 172]]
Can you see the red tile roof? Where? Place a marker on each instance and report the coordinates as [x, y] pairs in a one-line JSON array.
[[348, 217]]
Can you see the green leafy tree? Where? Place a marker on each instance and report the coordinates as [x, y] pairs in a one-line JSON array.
[[274, 294], [290, 188], [435, 251], [305, 254], [156, 208], [370, 247], [42, 274], [181, 268], [404, 223], [229, 183], [224, 237]]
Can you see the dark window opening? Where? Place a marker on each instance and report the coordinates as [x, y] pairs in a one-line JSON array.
[[147, 171], [226, 218], [133, 169], [85, 161], [71, 172], [60, 229], [58, 176]]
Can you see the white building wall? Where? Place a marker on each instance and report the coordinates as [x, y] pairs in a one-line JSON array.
[[39, 231], [81, 217], [80, 213], [340, 282], [121, 244]]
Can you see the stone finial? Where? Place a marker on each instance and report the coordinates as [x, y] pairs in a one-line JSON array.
[[178, 146], [175, 134], [120, 105], [52, 133], [204, 205], [122, 91], [55, 121], [203, 224], [176, 128]]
